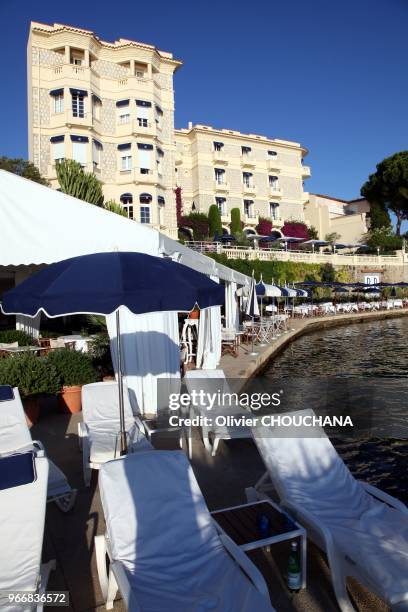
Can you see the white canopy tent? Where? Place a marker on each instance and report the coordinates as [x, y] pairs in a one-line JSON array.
[[40, 225]]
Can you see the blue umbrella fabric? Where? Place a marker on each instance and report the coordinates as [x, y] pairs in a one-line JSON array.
[[102, 282]]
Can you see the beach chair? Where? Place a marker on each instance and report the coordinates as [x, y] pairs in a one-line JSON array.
[[15, 437], [23, 497], [163, 547], [197, 380], [99, 433], [362, 530]]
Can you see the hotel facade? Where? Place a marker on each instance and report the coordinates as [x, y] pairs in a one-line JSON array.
[[110, 106]]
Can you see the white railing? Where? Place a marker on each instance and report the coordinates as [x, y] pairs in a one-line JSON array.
[[336, 259]]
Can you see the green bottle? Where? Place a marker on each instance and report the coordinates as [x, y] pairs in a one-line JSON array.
[[294, 575]]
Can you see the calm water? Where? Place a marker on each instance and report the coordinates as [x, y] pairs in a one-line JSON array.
[[357, 366]]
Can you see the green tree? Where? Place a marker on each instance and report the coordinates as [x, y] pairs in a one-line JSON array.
[[23, 168], [313, 233], [198, 222], [332, 237], [384, 239], [74, 181], [214, 221], [379, 216], [114, 207], [388, 186], [236, 225]]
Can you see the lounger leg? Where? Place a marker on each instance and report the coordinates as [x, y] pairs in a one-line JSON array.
[[340, 585], [112, 590], [85, 462], [207, 443], [101, 552], [215, 446], [46, 569], [251, 494]]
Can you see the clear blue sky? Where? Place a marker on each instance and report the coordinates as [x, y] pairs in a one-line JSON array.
[[330, 75]]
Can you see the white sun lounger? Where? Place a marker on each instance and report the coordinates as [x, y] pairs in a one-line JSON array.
[[363, 530], [164, 550], [99, 433], [23, 497], [15, 437], [202, 380]]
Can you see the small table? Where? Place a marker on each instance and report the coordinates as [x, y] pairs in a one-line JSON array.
[[22, 349], [240, 524]]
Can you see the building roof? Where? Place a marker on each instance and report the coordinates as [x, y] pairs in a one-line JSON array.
[[122, 42]]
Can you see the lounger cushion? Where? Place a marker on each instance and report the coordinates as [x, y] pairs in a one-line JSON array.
[[308, 473], [161, 531], [105, 445], [14, 433], [100, 406]]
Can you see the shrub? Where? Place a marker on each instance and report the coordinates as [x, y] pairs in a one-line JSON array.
[[295, 229], [73, 367], [15, 335], [264, 227], [198, 222], [214, 221], [32, 375], [236, 225]]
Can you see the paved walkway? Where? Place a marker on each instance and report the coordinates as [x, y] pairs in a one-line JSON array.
[[69, 538]]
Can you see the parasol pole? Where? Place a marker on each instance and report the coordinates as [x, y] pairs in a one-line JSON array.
[[123, 441]]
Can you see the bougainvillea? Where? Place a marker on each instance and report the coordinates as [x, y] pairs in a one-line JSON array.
[[198, 222], [295, 229], [179, 205], [264, 227]]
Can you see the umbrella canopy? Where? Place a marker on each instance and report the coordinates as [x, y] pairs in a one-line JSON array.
[[290, 239], [102, 282], [227, 238], [260, 288], [315, 243], [393, 292], [301, 293], [340, 290], [272, 291], [252, 308], [288, 292]]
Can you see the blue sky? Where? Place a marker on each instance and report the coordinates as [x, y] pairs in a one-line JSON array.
[[330, 75]]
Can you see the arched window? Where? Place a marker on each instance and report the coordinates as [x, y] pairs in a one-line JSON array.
[[145, 198], [126, 198]]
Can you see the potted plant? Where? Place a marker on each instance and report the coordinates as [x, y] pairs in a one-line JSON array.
[[34, 378], [195, 313], [74, 369], [7, 336]]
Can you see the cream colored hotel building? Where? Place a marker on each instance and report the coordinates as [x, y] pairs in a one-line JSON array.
[[110, 106]]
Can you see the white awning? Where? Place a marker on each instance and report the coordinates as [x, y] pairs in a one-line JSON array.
[[40, 225]]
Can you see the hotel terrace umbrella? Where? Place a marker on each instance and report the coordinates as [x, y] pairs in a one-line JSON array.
[[101, 283], [260, 292], [290, 240], [252, 308], [315, 243]]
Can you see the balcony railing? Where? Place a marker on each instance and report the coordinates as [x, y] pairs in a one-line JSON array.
[[249, 188], [306, 172], [219, 157], [248, 161], [221, 185]]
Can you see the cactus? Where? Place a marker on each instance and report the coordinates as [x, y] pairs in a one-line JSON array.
[[74, 181]]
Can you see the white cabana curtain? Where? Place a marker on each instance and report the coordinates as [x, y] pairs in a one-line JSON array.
[[150, 357], [29, 325], [231, 306], [209, 337]]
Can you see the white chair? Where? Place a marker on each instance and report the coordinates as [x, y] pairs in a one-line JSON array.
[[163, 546], [203, 380], [363, 530], [23, 498], [15, 437], [99, 433]]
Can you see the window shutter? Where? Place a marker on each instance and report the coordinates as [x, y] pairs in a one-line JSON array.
[[144, 159], [58, 150], [79, 152], [142, 112]]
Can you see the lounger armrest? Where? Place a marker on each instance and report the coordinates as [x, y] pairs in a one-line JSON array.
[[83, 431], [139, 424], [124, 587], [385, 497], [245, 564]]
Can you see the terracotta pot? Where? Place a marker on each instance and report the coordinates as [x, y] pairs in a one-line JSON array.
[[194, 314], [69, 399], [31, 409]]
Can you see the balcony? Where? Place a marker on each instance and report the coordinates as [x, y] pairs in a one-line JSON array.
[[135, 176], [219, 157], [278, 222], [58, 120], [223, 187], [52, 170], [273, 163], [249, 189], [275, 191], [251, 218], [132, 127], [248, 161], [306, 172], [305, 196]]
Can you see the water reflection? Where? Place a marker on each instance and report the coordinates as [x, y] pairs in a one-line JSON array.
[[357, 367]]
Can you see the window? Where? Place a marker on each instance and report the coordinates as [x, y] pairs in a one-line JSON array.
[[125, 162], [145, 158], [248, 208], [126, 200], [247, 179], [274, 210], [272, 153], [159, 160], [218, 146], [77, 61], [145, 198], [220, 202], [96, 153], [273, 183], [158, 116], [246, 151], [219, 176], [142, 122], [143, 112], [59, 103], [124, 117], [58, 148], [145, 214], [139, 74], [78, 105], [79, 152]]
